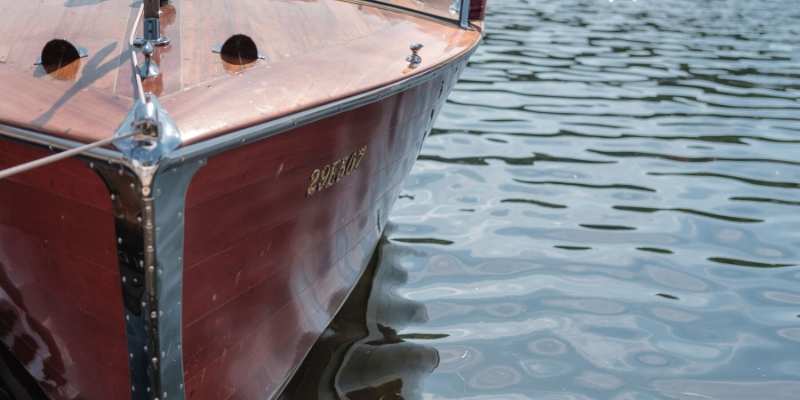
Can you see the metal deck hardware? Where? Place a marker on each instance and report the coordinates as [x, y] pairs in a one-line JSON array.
[[149, 69], [414, 60], [152, 25], [463, 17], [155, 132]]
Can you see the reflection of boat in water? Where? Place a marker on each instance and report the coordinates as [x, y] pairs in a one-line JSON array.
[[235, 193], [361, 356]]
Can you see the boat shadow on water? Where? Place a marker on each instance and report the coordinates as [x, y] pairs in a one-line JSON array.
[[361, 355]]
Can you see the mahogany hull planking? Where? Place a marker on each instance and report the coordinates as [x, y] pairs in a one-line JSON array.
[[212, 210], [267, 263], [61, 311], [317, 51], [277, 232]]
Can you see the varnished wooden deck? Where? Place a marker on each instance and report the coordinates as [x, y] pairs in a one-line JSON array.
[[317, 50]]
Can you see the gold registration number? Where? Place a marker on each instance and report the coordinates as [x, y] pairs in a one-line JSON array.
[[330, 174]]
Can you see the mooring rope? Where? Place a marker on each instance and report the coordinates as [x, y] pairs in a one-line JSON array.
[[60, 156], [41, 162]]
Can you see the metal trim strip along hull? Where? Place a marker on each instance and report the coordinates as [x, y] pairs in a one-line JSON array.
[[150, 251], [240, 137], [170, 187], [150, 231]]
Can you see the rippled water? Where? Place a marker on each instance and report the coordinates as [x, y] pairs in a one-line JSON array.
[[608, 208]]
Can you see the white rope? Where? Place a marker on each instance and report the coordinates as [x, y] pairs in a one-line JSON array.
[[59, 156]]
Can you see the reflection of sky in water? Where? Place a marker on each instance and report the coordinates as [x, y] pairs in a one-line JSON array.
[[608, 207]]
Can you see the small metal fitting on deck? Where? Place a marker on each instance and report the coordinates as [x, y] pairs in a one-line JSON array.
[[152, 25], [150, 68], [155, 132], [145, 120], [414, 60]]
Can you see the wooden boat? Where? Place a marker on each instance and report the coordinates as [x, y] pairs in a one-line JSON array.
[[190, 189], [360, 355]]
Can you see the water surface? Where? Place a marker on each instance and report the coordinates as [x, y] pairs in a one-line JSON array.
[[608, 208]]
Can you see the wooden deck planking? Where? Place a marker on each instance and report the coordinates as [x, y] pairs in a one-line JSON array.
[[318, 50]]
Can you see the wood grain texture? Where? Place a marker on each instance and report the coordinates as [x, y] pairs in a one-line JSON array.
[[266, 266], [60, 305], [440, 8], [318, 51]]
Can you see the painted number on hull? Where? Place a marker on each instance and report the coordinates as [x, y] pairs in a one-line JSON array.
[[327, 176]]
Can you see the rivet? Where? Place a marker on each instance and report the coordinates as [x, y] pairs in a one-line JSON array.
[[91, 165], [113, 196], [131, 355], [155, 360]]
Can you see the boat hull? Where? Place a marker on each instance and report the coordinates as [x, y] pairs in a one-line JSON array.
[[61, 313], [261, 242], [271, 254]]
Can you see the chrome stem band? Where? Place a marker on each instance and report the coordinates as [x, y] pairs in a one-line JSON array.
[[148, 205], [150, 254]]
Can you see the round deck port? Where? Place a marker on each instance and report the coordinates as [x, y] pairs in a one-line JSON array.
[[57, 54], [239, 50]]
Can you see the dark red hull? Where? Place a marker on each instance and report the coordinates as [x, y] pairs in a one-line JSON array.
[[60, 306], [266, 265]]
